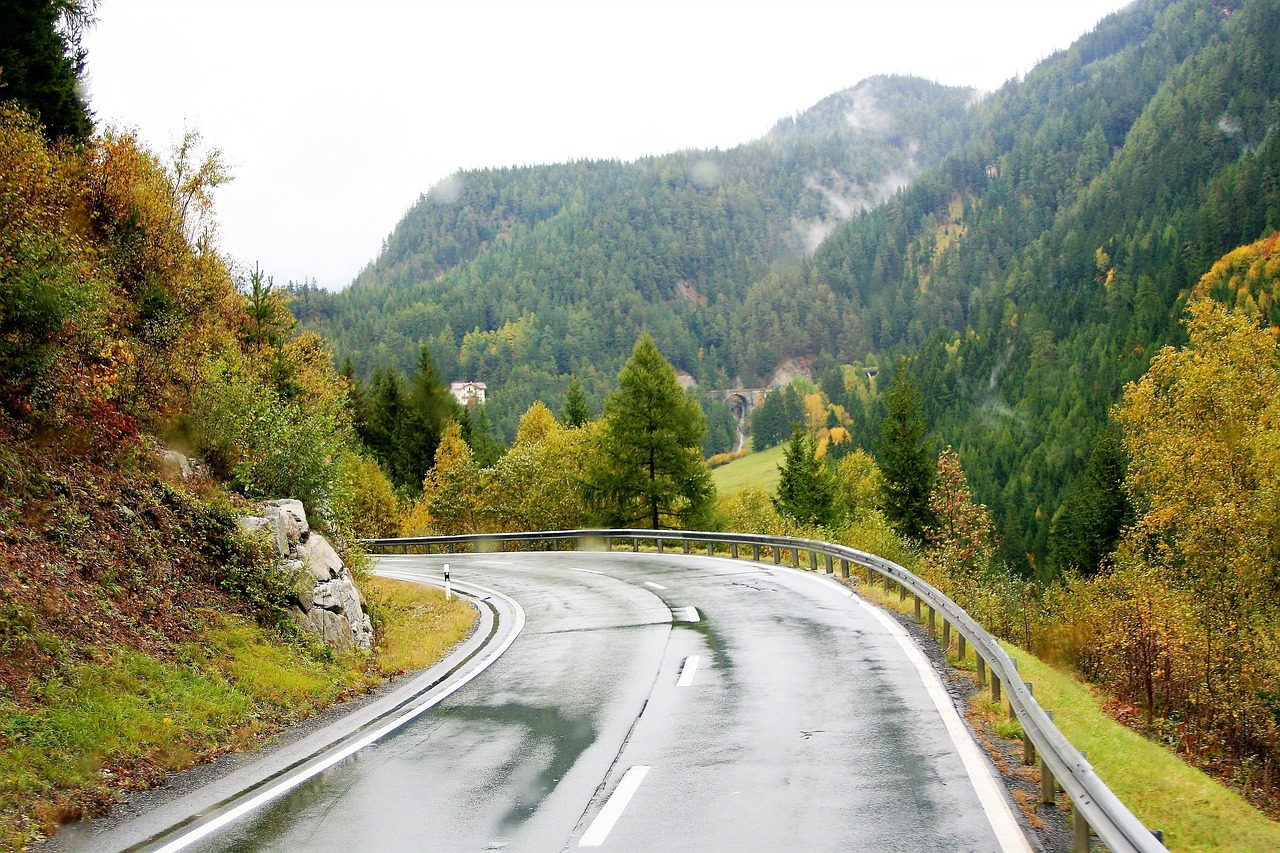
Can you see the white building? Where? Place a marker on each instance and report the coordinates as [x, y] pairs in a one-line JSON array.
[[467, 393]]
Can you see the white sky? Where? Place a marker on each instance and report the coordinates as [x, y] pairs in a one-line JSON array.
[[335, 115]]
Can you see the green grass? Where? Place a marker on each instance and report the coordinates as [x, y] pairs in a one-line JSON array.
[[1195, 812], [125, 719], [418, 626], [755, 469]]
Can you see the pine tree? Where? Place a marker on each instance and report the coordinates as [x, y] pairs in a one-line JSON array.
[[649, 470], [1096, 508], [905, 459], [576, 412], [806, 489], [42, 63]]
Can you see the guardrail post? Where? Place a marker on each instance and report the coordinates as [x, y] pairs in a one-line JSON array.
[[1048, 785], [795, 558], [946, 636], [995, 688], [755, 552], [777, 555], [733, 550], [1028, 748], [982, 670], [933, 622], [868, 576], [917, 605], [1080, 827], [608, 544], [844, 568], [711, 549], [660, 551], [1013, 715], [902, 592], [635, 544], [827, 563], [813, 561], [962, 648], [886, 584], [685, 543]]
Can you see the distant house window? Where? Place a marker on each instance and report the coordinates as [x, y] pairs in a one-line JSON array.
[[468, 393]]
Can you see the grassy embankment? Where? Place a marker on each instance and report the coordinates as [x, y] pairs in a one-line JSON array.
[[1195, 812], [124, 720], [755, 469]]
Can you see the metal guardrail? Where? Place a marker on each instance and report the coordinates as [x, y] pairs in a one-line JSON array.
[[1094, 806]]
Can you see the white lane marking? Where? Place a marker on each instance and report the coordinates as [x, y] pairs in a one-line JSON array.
[[585, 571], [654, 585], [990, 794], [603, 824], [690, 614], [284, 786], [686, 674]]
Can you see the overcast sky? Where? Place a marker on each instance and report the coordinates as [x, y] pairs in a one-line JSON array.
[[335, 116]]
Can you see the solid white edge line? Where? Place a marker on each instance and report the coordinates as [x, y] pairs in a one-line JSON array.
[[990, 793], [690, 667], [654, 585], [618, 800], [286, 785]]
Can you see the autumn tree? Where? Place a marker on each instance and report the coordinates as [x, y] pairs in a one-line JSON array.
[[961, 540], [649, 468], [1202, 432], [536, 485], [451, 489]]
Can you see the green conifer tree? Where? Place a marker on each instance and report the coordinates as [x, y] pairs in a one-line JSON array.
[[576, 412], [806, 489], [649, 470], [905, 458]]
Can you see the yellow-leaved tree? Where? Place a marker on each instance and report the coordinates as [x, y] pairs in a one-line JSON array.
[[1192, 628]]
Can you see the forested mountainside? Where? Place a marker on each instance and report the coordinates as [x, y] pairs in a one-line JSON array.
[[524, 277], [1037, 259], [1042, 266]]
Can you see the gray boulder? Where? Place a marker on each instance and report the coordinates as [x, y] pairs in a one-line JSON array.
[[327, 602]]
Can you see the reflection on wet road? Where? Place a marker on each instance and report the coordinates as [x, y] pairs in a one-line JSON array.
[[785, 717]]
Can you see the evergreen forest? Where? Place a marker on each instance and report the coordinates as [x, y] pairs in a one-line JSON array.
[[1024, 253]]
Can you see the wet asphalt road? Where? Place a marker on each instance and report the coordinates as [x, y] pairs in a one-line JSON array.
[[786, 717]]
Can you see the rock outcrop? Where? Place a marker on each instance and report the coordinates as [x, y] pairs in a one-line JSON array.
[[327, 602]]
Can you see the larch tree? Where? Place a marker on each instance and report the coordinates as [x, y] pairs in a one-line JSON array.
[[649, 469]]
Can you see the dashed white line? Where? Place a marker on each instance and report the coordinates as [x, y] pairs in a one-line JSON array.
[[690, 667], [585, 571], [603, 824], [654, 585], [493, 562]]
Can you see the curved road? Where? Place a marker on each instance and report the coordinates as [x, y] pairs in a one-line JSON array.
[[661, 702]]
